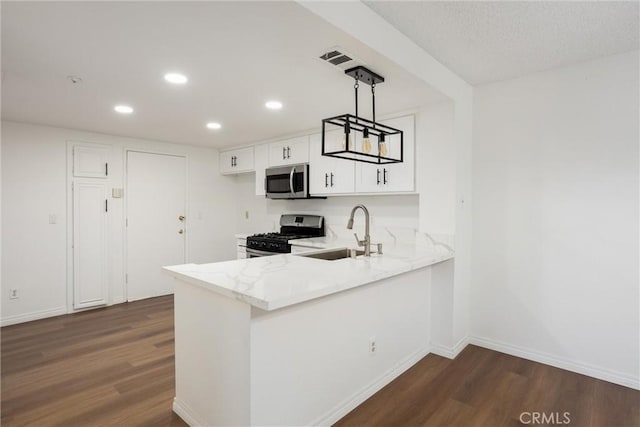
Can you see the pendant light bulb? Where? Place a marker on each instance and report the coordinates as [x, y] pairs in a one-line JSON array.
[[366, 142], [382, 146], [347, 142]]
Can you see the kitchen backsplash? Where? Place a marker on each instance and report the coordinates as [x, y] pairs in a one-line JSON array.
[[398, 211]]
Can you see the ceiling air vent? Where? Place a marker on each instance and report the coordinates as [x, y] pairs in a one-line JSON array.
[[338, 57]]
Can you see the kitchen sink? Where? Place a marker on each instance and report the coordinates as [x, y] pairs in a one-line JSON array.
[[331, 255]]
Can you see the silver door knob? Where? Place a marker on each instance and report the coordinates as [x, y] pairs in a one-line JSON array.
[[181, 218], [180, 231]]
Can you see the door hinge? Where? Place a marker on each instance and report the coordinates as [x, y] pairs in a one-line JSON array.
[[126, 222], [106, 169]]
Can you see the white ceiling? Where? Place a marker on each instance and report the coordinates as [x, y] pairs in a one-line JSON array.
[[237, 55], [491, 41]]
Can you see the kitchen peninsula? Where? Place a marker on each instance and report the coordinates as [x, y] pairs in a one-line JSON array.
[[295, 340]]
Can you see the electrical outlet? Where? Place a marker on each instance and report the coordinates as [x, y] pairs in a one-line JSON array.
[[13, 294], [372, 345]]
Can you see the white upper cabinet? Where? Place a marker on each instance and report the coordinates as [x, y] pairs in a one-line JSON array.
[[393, 177], [289, 151], [261, 164], [236, 161], [329, 175], [90, 161]]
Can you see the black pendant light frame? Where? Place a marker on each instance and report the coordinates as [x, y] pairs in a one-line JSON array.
[[354, 123]]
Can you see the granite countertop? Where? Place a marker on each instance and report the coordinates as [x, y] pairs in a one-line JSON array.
[[278, 281]]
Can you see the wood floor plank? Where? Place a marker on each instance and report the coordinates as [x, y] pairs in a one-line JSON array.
[[115, 366], [482, 387], [99, 367]]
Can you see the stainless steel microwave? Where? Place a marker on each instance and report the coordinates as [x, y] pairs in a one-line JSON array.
[[287, 182]]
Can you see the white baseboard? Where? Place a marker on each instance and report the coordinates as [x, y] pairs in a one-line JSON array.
[[449, 352], [117, 300], [186, 413], [376, 385], [34, 315], [559, 362]]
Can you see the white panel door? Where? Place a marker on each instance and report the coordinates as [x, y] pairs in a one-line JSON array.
[[261, 162], [90, 161], [155, 221], [289, 151], [394, 177], [236, 161], [329, 175], [89, 243]]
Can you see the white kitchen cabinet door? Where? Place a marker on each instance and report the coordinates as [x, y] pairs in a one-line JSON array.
[[89, 243], [236, 161], [261, 161], [90, 161], [289, 151], [329, 175], [241, 247], [393, 177]]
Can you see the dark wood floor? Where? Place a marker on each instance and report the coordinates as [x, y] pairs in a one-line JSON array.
[[114, 366]]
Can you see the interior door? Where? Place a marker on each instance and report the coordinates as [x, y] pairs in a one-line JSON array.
[[155, 221], [89, 243]]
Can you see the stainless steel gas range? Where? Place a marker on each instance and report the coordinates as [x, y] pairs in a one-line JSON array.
[[292, 226]]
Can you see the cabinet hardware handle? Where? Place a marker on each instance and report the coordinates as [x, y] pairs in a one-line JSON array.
[[378, 177], [181, 231], [384, 176], [106, 169], [288, 152], [181, 218], [284, 153], [332, 179], [326, 177], [293, 170], [106, 205]]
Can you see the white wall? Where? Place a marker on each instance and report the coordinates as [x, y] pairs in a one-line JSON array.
[[555, 218], [34, 185], [436, 168]]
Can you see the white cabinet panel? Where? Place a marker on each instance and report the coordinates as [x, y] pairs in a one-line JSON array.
[[329, 175], [90, 161], [236, 161], [89, 243], [394, 177], [261, 164], [289, 151], [241, 248]]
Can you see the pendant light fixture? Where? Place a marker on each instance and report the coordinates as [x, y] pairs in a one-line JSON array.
[[353, 128]]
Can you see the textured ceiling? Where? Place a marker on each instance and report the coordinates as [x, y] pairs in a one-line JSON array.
[[485, 42]]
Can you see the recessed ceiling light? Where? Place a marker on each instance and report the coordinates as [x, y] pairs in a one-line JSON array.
[[214, 125], [123, 109], [176, 78], [273, 105]]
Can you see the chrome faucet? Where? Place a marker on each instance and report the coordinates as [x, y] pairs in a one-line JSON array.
[[367, 238]]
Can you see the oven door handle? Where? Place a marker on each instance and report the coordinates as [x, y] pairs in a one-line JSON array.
[[251, 251], [293, 170]]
